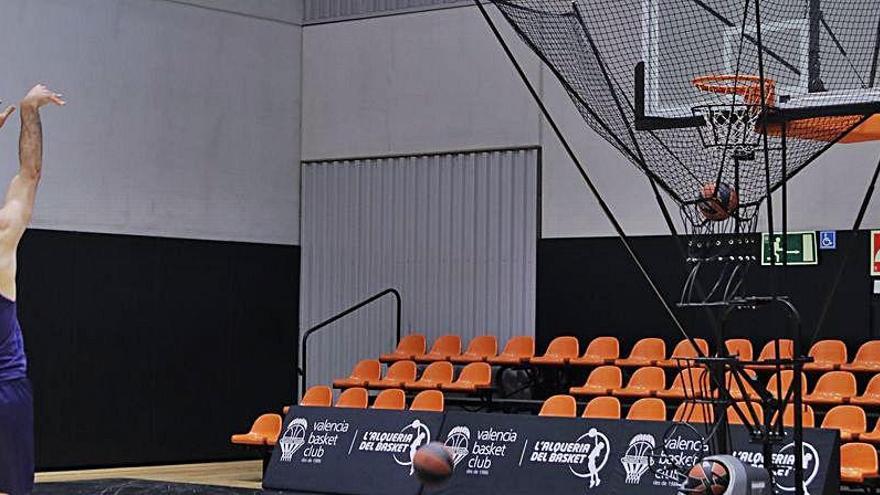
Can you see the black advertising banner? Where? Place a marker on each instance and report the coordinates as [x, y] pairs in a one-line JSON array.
[[496, 453], [350, 451], [511, 454]]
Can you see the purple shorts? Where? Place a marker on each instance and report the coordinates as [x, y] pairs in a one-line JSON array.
[[16, 437]]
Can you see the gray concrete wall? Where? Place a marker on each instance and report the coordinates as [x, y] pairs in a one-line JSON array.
[[431, 81], [438, 80], [182, 120]]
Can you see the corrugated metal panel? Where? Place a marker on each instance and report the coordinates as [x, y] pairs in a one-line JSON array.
[[455, 233], [331, 10]]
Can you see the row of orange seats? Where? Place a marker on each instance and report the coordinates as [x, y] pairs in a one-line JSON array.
[[858, 460], [521, 350], [833, 387], [402, 374], [267, 428], [828, 355], [358, 398], [851, 421], [654, 409]]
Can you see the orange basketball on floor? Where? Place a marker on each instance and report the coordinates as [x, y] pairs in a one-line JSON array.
[[433, 463], [709, 477]]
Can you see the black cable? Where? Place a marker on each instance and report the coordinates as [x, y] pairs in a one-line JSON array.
[[606, 210]]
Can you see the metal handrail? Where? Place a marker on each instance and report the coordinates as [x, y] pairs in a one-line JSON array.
[[323, 324]]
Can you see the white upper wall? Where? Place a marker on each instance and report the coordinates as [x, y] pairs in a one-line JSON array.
[[431, 81], [438, 80], [182, 121]]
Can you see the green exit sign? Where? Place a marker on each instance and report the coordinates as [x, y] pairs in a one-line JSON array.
[[801, 249]]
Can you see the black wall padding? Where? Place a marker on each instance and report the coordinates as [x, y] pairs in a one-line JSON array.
[[590, 287], [148, 350]]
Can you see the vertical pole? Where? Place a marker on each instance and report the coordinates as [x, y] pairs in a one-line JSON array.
[[797, 351], [305, 361], [815, 57], [763, 91], [397, 320], [736, 188], [874, 60], [797, 386], [784, 204]]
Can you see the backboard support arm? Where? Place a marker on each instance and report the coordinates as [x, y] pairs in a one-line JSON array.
[[815, 58], [874, 61]]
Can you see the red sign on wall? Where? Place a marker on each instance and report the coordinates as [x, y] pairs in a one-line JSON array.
[[875, 253]]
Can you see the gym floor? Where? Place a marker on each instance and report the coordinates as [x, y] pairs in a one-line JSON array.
[[240, 474]]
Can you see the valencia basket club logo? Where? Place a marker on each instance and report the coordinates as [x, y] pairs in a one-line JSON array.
[[293, 439], [638, 457], [458, 440]]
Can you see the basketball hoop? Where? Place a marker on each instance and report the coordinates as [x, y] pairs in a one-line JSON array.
[[746, 86], [733, 126]]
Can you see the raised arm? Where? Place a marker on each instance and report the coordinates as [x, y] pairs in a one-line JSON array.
[[18, 207]]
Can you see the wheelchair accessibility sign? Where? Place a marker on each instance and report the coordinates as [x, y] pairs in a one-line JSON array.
[[828, 240]]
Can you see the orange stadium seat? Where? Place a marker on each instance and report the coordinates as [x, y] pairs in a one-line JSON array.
[[601, 381], [740, 388], [409, 347], [741, 348], [648, 409], [443, 349], [867, 358], [871, 397], [428, 401], [786, 349], [264, 431], [559, 406], [560, 351], [364, 371], [850, 420], [601, 350], [317, 396], [645, 382], [827, 355], [518, 350], [688, 383], [834, 387], [435, 375], [858, 462], [773, 384], [645, 352], [473, 377], [690, 412], [353, 398], [391, 399], [752, 411], [602, 408], [683, 350], [398, 373], [808, 417], [479, 349], [872, 436]]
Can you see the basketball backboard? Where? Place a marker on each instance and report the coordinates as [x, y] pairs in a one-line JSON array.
[[811, 57]]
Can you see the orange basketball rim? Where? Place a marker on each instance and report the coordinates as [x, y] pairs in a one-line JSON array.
[[819, 129]]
